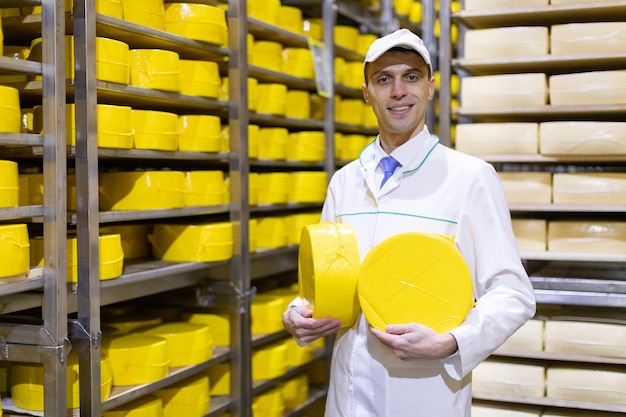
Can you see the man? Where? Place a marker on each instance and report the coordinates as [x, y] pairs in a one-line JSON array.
[[409, 370]]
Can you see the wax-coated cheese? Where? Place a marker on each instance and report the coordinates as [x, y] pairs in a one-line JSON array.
[[307, 187], [295, 391], [218, 323], [501, 4], [597, 384], [188, 343], [155, 130], [506, 42], [528, 337], [527, 187], [197, 21], [582, 138], [15, 250], [497, 138], [530, 234], [272, 187], [589, 188], [587, 236], [269, 361], [137, 358], [27, 384], [496, 377], [189, 397], [504, 90], [586, 338], [581, 38], [157, 69], [266, 314], [433, 289], [192, 242], [328, 268], [272, 232], [295, 223], [595, 87]]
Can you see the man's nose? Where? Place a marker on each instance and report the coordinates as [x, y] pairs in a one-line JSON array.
[[398, 89]]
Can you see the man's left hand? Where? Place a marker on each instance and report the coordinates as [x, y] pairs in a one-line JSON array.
[[416, 341]]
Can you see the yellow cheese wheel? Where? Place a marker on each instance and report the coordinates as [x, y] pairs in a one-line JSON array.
[[328, 268], [415, 278], [189, 397]]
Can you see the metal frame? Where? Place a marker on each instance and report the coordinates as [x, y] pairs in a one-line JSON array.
[[47, 343]]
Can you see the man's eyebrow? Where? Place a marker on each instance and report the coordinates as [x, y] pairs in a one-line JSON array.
[[407, 71]]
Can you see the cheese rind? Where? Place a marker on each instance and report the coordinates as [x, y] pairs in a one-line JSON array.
[[582, 138], [496, 377], [528, 337], [508, 90], [506, 42], [586, 338], [530, 234], [589, 188], [595, 87], [583, 384], [527, 187], [595, 37], [497, 138], [587, 236]]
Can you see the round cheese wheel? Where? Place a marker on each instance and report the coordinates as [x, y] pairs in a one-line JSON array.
[[328, 269], [415, 278]]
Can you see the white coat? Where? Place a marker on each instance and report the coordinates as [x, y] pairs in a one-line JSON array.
[[436, 190]]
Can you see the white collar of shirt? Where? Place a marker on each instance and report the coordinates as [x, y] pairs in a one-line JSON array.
[[411, 155]]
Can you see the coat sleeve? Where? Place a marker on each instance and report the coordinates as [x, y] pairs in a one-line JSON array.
[[328, 209], [504, 295]]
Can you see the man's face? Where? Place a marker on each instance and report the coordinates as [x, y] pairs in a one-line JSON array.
[[399, 90]]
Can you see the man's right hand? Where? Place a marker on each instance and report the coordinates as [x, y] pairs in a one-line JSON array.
[[300, 323]]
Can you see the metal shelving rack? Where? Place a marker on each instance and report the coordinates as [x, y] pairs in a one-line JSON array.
[[611, 291], [41, 339], [228, 282], [581, 280]]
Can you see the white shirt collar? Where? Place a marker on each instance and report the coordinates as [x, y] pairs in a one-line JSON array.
[[411, 155]]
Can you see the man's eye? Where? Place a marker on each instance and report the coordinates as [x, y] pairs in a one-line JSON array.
[[411, 77]]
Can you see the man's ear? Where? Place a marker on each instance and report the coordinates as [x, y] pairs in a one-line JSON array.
[[431, 89]]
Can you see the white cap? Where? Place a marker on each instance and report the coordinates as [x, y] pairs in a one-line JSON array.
[[402, 38]]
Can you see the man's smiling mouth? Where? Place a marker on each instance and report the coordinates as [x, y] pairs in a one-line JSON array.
[[399, 108]]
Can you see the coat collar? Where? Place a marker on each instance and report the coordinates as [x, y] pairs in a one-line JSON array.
[[411, 154]]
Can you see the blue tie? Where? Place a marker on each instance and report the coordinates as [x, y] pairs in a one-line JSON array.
[[389, 166]]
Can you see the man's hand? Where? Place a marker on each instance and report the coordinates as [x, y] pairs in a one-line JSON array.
[[300, 323], [416, 341]]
